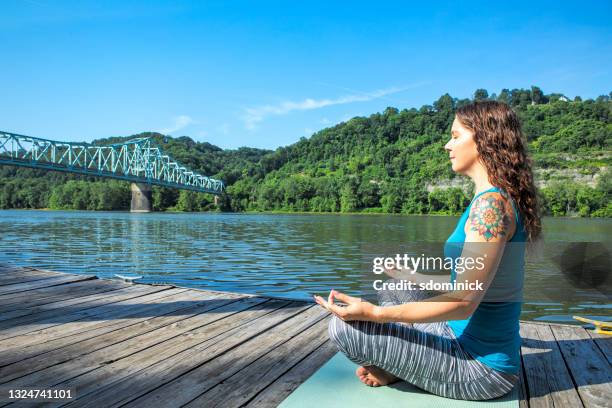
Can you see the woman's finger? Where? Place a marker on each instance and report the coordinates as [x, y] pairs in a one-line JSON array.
[[399, 273], [345, 298], [321, 301], [337, 310]]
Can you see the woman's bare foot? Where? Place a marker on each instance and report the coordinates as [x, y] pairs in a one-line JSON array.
[[374, 376]]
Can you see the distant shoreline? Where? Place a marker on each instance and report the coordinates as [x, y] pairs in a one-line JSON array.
[[280, 212]]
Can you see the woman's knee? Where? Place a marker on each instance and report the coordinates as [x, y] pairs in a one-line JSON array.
[[338, 331], [346, 336]]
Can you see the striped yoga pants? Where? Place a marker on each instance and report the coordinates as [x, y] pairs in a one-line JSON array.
[[426, 355]]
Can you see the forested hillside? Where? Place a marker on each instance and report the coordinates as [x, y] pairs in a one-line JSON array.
[[389, 162]]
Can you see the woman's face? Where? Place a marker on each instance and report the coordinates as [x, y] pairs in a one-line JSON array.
[[461, 148]]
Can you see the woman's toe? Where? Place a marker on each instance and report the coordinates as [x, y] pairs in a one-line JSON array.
[[361, 374]]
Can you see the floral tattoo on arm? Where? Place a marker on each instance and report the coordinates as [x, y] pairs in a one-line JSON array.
[[489, 218]]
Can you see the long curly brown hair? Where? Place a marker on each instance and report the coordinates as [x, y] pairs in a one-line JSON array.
[[502, 148]]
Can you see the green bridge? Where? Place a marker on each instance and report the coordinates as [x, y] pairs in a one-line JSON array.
[[140, 161]]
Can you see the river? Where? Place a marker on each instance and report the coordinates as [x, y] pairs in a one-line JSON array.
[[282, 255]]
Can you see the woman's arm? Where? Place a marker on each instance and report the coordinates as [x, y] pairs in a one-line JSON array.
[[421, 312], [489, 225]]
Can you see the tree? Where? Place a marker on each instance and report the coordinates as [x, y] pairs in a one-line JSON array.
[[164, 198], [445, 104], [481, 95], [504, 96], [447, 201], [537, 96], [348, 196], [382, 162], [187, 201]]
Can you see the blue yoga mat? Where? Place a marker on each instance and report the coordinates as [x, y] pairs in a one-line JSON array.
[[336, 385]]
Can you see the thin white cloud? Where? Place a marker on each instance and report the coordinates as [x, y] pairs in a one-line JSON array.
[[325, 121], [413, 85], [253, 116], [224, 128], [180, 122]]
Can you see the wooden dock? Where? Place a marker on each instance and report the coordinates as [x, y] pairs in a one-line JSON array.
[[117, 344]]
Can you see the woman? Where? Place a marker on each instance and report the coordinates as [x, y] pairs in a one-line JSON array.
[[456, 344]]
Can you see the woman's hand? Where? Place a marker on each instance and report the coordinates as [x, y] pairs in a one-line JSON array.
[[404, 273], [356, 308]]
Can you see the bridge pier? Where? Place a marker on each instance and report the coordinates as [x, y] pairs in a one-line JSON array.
[[142, 198]]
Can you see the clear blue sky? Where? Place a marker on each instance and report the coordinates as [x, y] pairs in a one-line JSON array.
[[264, 74]]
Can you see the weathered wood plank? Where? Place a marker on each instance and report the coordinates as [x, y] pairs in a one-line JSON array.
[[63, 292], [46, 295], [86, 330], [588, 366], [71, 305], [11, 272], [142, 317], [170, 310], [604, 342], [207, 348], [239, 388], [280, 389], [23, 277], [81, 328], [547, 378], [522, 387], [212, 327], [117, 302], [206, 376], [59, 280]]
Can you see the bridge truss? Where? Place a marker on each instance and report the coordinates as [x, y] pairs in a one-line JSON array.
[[137, 160]]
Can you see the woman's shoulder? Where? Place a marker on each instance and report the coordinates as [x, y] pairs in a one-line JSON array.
[[498, 198], [494, 211]]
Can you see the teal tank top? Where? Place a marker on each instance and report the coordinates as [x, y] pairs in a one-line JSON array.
[[491, 333]]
